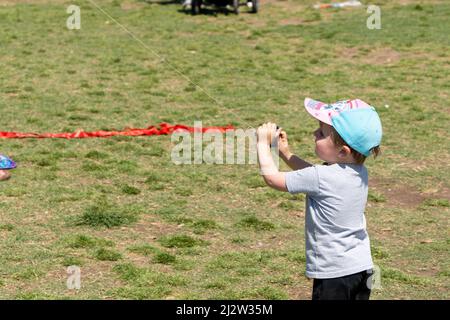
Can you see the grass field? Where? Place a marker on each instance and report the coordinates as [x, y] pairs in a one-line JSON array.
[[141, 227]]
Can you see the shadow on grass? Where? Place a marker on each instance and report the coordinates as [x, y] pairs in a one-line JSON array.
[[163, 3], [208, 9]]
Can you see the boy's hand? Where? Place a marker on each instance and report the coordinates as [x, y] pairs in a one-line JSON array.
[[267, 132], [283, 145]]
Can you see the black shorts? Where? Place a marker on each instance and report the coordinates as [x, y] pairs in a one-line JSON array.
[[351, 287]]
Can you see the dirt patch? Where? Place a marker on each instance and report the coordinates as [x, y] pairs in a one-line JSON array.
[[349, 53], [290, 22], [382, 56], [364, 55], [285, 5], [405, 196], [256, 22], [131, 6], [410, 2], [395, 194], [5, 3], [387, 56], [302, 290], [262, 2]]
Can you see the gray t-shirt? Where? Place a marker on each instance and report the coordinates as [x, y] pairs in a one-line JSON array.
[[337, 243]]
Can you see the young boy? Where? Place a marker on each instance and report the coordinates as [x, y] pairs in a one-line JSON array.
[[337, 245]]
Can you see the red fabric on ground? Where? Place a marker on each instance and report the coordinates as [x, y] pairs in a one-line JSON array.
[[163, 129]]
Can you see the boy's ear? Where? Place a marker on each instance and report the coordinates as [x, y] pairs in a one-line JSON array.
[[345, 151]]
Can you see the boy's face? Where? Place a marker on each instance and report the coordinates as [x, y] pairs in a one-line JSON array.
[[325, 148]]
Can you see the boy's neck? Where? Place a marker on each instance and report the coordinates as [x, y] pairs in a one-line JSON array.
[[338, 162]]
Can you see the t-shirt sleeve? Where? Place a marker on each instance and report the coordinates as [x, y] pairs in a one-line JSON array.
[[303, 181]]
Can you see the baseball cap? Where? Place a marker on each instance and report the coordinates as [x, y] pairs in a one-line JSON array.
[[356, 122]]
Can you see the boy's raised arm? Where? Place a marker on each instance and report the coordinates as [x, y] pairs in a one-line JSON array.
[[269, 170]]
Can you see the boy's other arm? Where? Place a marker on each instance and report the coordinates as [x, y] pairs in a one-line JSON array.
[[294, 162]]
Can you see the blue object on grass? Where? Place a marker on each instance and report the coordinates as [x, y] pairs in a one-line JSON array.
[[6, 163]]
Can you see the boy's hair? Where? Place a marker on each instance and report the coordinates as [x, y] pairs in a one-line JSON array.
[[359, 158]]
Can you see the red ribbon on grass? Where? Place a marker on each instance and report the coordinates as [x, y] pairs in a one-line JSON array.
[[163, 129]]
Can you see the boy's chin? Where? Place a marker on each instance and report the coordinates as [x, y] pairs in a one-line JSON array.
[[321, 157]]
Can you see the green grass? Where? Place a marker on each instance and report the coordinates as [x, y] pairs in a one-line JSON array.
[[396, 275], [144, 283], [376, 197], [144, 249], [81, 241], [437, 203], [255, 223], [130, 190], [72, 261], [7, 227], [141, 227], [164, 258], [107, 255], [105, 215], [181, 241]]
